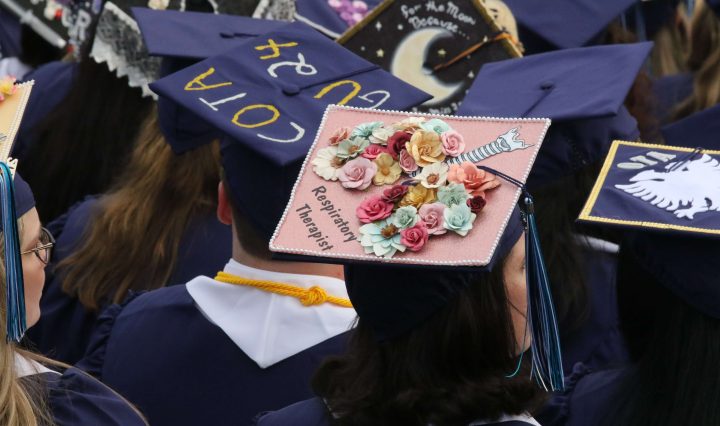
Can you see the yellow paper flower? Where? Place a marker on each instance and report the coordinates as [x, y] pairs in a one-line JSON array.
[[418, 195], [425, 148], [388, 170], [7, 87]]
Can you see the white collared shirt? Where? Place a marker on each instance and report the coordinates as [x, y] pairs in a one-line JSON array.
[[27, 367], [270, 327]]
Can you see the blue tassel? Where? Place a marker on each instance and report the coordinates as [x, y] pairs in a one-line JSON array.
[[546, 353], [14, 287]]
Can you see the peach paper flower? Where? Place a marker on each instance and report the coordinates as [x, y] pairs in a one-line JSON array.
[[425, 148], [388, 170], [476, 181]]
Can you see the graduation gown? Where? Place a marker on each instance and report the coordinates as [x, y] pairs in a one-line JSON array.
[[586, 398], [76, 399], [598, 343], [65, 325], [313, 412], [669, 91], [210, 353]]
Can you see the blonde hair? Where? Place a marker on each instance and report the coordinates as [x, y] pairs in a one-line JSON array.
[[132, 241], [704, 61]]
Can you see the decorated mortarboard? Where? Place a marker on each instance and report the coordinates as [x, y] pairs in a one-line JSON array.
[[14, 202], [382, 190], [182, 39], [44, 17], [701, 129], [333, 17], [561, 24], [670, 197], [119, 44], [437, 46], [268, 96], [582, 90]]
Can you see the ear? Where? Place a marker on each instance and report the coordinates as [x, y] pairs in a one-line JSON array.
[[224, 209]]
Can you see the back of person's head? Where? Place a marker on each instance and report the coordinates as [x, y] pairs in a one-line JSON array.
[[143, 217], [449, 370], [674, 349], [84, 143], [703, 61]]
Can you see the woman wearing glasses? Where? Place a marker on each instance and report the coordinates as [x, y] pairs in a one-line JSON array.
[[35, 390]]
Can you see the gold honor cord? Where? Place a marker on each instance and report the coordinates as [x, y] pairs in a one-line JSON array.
[[307, 296]]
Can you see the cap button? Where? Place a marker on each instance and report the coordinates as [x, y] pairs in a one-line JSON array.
[[290, 89], [547, 85]]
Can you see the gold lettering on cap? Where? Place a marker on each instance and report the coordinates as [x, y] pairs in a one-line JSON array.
[[356, 87], [198, 84], [274, 47], [275, 112]]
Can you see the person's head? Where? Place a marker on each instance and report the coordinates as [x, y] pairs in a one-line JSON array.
[[703, 61], [144, 216], [451, 367]]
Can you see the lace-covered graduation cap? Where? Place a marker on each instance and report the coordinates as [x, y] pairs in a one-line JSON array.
[[417, 207], [582, 90], [701, 129], [560, 24], [267, 97], [181, 39], [118, 42], [15, 200], [667, 199]]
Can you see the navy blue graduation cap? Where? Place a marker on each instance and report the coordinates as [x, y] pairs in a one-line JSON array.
[[582, 90], [701, 129], [560, 24], [333, 17], [669, 199], [182, 39], [714, 5], [268, 96]]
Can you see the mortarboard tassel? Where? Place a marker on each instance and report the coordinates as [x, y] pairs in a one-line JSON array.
[[545, 347], [14, 287]]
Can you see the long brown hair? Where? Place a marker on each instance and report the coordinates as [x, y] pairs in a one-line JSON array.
[[132, 241], [704, 62]]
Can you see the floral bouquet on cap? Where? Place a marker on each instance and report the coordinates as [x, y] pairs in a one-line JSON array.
[[426, 195], [409, 188]]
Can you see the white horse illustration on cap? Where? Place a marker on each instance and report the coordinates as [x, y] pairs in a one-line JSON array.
[[684, 188]]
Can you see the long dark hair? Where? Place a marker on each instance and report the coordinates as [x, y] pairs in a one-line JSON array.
[[83, 144], [450, 370], [675, 351]]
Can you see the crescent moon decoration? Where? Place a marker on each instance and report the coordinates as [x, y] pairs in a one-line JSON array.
[[408, 64]]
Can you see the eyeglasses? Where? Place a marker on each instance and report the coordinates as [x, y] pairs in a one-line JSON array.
[[42, 251]]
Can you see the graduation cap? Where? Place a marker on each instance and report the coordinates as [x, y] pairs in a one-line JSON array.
[[267, 96], [582, 90], [668, 199], [44, 17], [416, 209], [119, 44], [560, 24], [714, 5], [15, 200], [333, 17], [182, 39], [701, 129]]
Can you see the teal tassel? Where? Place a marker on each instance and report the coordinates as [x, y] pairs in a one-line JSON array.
[[14, 287], [546, 353]]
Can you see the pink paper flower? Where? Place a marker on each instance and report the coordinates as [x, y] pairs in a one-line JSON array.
[[396, 143], [395, 194], [357, 173], [476, 181], [415, 237], [453, 143], [373, 150], [407, 162], [374, 208], [340, 135], [431, 215]]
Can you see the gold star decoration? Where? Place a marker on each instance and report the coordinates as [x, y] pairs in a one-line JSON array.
[[380, 53], [441, 53]]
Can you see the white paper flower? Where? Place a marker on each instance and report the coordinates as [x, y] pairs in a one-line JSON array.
[[433, 176], [326, 163]]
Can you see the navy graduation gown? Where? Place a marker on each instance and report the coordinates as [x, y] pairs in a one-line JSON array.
[[586, 398], [76, 399], [162, 354], [52, 84], [598, 343], [65, 325], [669, 91], [313, 412]]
